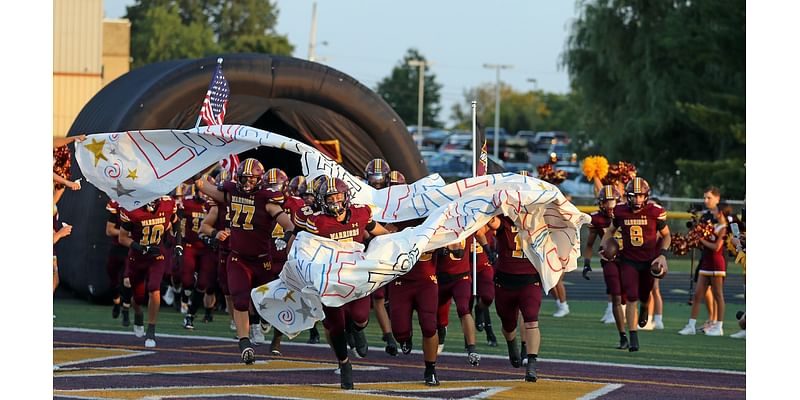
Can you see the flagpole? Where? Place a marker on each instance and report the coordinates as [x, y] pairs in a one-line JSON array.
[[197, 124], [475, 160]]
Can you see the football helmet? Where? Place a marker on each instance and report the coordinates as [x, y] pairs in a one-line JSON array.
[[634, 187], [524, 173], [276, 179], [396, 178], [607, 193], [294, 185], [152, 205], [249, 175], [377, 173], [332, 196]]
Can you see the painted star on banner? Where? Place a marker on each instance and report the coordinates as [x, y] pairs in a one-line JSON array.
[[305, 310], [97, 150], [122, 191], [289, 295], [263, 289], [132, 174]]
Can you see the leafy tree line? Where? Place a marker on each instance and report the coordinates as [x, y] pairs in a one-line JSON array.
[[173, 29]]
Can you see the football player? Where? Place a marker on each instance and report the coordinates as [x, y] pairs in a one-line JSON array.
[[607, 199], [142, 230], [214, 232], [454, 274], [517, 290], [342, 221], [115, 262], [378, 175], [253, 210], [640, 257], [486, 256]]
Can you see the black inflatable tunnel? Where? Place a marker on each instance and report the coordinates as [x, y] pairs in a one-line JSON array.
[[296, 98]]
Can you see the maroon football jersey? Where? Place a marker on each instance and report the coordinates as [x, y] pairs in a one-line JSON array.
[[510, 256], [113, 216], [349, 230], [453, 265], [148, 228], [424, 269], [194, 211], [639, 230], [292, 206], [250, 221], [223, 221]]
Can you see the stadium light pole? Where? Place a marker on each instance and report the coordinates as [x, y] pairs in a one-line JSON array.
[[421, 65], [497, 67]]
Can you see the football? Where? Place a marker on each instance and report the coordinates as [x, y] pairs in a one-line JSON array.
[[657, 271], [611, 250]]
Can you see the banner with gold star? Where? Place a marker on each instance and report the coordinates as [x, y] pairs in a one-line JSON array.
[[322, 271], [135, 167]]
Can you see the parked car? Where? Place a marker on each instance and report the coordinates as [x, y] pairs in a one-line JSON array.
[[562, 152], [455, 164], [457, 141], [575, 184], [543, 140], [434, 138]]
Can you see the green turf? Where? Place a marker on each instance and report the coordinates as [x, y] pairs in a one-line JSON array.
[[681, 264], [579, 336]]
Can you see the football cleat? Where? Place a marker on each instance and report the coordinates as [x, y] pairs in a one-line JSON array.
[[562, 311], [346, 375], [275, 349], [474, 359], [431, 379], [150, 343], [643, 315], [742, 334], [491, 339], [209, 317], [530, 371], [715, 330], [138, 330], [248, 354], [313, 337], [634, 343], [169, 296], [623, 343], [256, 336], [126, 317], [513, 353], [360, 339], [233, 325], [188, 322], [115, 311]]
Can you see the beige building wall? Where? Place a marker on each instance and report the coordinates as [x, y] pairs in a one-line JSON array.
[[81, 67], [116, 49]]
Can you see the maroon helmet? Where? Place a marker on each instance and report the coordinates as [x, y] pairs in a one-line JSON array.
[[637, 186], [377, 173], [327, 187], [294, 185], [276, 179], [396, 178], [607, 192], [249, 175]]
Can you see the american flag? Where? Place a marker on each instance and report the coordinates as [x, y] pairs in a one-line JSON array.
[[216, 101], [213, 110]]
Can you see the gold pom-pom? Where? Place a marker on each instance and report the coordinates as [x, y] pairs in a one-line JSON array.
[[61, 164], [548, 174], [679, 244], [595, 167]]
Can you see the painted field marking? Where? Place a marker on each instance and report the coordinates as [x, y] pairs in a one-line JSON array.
[[63, 356]]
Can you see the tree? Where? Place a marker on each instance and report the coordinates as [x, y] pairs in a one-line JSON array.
[[172, 29], [401, 90], [532, 110], [662, 86]]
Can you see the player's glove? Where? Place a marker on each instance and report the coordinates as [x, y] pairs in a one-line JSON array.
[[280, 243], [210, 242], [148, 250], [179, 251], [490, 254], [587, 268]]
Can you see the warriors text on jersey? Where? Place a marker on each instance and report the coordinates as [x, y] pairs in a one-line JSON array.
[[640, 230]]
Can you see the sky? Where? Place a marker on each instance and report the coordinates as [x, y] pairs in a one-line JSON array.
[[366, 39]]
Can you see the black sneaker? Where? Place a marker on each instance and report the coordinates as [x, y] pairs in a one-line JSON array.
[[513, 353], [491, 339], [623, 343], [474, 359], [209, 317], [346, 375], [188, 322], [391, 344], [530, 370], [275, 349], [115, 311], [406, 346], [523, 353], [126, 317], [248, 354], [431, 379], [479, 322], [642, 315], [313, 338], [360, 338], [634, 344]]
